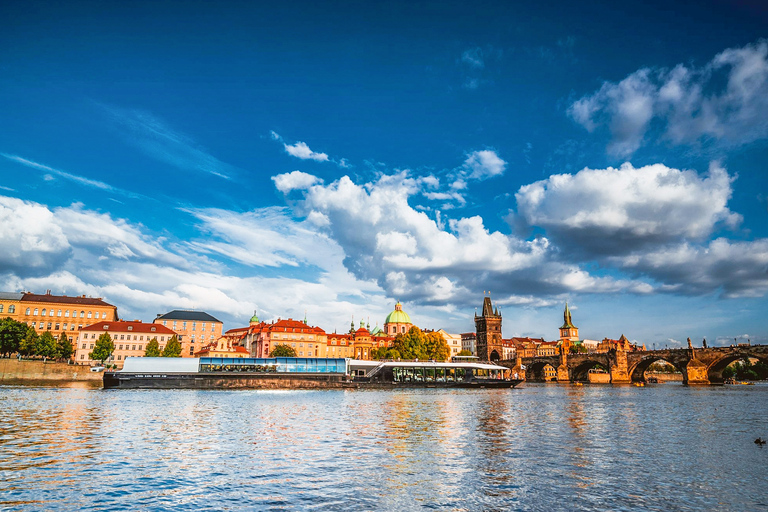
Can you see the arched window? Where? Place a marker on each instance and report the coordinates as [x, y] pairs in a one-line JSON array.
[[50, 312], [82, 314], [90, 315], [43, 311], [58, 313], [36, 310], [27, 311], [104, 315], [12, 308], [66, 313]]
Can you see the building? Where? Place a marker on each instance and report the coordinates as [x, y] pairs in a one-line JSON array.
[[130, 339], [607, 344], [340, 345], [260, 338], [488, 332], [397, 322], [569, 333], [453, 341], [547, 348], [195, 329], [469, 342], [526, 347], [223, 347], [55, 313]]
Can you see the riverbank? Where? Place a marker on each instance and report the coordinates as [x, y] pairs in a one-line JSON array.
[[36, 372]]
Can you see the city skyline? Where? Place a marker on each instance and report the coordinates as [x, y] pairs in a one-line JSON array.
[[338, 158]]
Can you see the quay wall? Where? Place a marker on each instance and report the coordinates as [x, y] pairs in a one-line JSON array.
[[665, 377], [14, 372]]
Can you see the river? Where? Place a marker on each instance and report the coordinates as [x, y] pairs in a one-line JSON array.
[[538, 447]]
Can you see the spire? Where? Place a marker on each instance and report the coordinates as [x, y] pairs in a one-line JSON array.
[[567, 322], [305, 317]]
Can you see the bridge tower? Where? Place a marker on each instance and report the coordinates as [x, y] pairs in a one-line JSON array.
[[569, 333], [488, 332]]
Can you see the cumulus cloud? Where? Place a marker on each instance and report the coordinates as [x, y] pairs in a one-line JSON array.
[[295, 180], [481, 165], [301, 150], [603, 212], [726, 100], [415, 257]]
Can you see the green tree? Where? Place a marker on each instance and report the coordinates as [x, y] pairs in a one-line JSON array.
[[435, 347], [103, 349], [282, 351], [28, 342], [411, 344], [64, 349], [46, 346], [153, 349], [464, 353], [172, 348], [11, 334]]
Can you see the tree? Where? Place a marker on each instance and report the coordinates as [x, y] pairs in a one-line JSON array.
[[46, 346], [64, 347], [464, 353], [153, 349], [11, 334], [28, 342], [411, 344], [282, 351], [172, 348], [103, 349], [435, 347]]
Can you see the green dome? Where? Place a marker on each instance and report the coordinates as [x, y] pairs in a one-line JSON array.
[[254, 319], [398, 316]]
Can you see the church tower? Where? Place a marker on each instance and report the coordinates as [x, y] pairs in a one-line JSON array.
[[569, 333], [488, 332]]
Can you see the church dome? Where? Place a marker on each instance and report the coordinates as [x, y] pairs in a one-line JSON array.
[[398, 316], [254, 319]]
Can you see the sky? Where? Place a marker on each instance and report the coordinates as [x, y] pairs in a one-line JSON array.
[[329, 159]]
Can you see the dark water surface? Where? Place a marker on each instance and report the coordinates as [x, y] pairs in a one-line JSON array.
[[538, 447]]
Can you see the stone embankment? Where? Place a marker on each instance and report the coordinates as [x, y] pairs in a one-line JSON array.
[[36, 372], [665, 377]]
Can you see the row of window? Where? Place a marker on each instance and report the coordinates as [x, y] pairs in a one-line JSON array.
[[194, 325], [11, 308], [123, 337], [52, 312], [42, 325]]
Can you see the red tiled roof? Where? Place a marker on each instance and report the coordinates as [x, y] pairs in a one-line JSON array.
[[63, 299], [140, 327]]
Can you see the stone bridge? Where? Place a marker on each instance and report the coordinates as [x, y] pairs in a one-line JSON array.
[[697, 365]]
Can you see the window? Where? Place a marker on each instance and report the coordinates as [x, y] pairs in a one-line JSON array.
[[194, 326], [120, 348], [82, 356], [134, 337], [184, 325], [191, 351], [130, 327], [50, 312], [43, 311], [58, 327], [106, 327], [58, 313], [134, 347], [41, 325], [203, 327], [82, 314], [162, 338], [139, 347], [64, 327], [153, 329], [12, 308], [165, 323], [49, 326], [66, 314], [141, 338], [122, 336], [213, 327], [27, 311], [93, 336], [90, 315], [91, 346], [1, 309], [119, 357], [36, 311], [83, 345], [104, 315]]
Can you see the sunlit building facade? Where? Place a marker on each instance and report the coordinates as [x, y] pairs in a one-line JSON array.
[[196, 329], [130, 339]]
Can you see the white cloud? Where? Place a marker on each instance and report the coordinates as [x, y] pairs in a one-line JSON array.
[[473, 57], [725, 100], [615, 211], [295, 180], [481, 165], [301, 150]]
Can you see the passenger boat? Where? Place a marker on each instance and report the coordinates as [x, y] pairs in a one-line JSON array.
[[301, 373]]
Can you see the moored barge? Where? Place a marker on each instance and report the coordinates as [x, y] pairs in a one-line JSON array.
[[301, 373]]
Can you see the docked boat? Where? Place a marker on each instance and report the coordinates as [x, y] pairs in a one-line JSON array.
[[301, 373]]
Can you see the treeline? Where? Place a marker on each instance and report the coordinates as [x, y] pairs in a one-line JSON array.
[[415, 344], [19, 338], [745, 370]]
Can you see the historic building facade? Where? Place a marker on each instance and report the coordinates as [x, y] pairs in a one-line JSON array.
[[130, 339], [397, 322], [488, 333], [55, 313], [195, 329], [260, 338]]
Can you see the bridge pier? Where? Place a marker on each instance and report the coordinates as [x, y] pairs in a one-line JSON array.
[[696, 373], [563, 375], [619, 367]]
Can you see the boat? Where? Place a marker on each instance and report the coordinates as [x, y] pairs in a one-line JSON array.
[[301, 373]]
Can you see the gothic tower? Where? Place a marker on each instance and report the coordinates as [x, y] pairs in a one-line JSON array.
[[488, 332], [569, 333]]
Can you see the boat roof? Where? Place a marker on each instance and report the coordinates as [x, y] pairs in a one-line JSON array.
[[423, 364], [161, 365]]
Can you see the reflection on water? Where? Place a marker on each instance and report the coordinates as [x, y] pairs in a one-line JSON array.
[[539, 447]]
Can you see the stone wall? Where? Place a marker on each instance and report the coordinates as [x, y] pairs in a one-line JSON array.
[[13, 371]]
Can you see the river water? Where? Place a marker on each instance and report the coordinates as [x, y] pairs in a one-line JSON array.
[[538, 447]]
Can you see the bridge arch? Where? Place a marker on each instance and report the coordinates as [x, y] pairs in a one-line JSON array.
[[535, 371], [494, 356], [580, 372], [637, 372], [715, 369]]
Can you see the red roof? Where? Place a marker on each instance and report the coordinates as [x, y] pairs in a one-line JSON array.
[[63, 299], [140, 327]]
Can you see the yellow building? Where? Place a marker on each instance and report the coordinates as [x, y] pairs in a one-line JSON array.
[[223, 347], [453, 341], [196, 329], [340, 345], [56, 313], [130, 339]]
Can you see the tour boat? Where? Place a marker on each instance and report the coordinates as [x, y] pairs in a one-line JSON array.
[[302, 373]]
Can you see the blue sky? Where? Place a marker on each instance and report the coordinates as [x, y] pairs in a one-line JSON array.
[[336, 157]]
